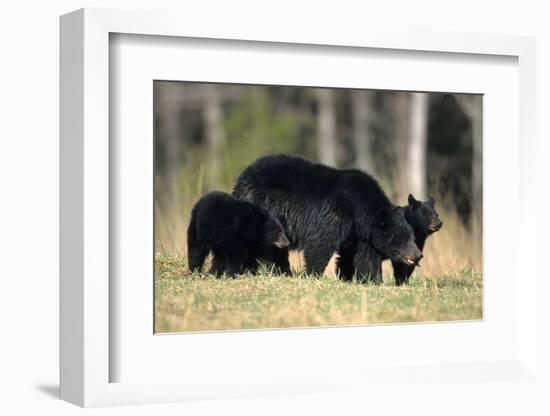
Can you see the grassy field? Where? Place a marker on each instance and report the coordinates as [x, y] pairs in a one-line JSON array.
[[199, 302]]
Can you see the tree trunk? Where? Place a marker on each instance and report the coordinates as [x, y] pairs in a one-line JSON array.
[[361, 103], [214, 128], [326, 125], [417, 145], [472, 106]]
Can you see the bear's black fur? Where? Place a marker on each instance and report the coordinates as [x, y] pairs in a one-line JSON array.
[[235, 231], [324, 210], [424, 221]]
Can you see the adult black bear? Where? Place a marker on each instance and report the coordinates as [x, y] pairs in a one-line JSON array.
[[324, 210], [424, 221], [235, 231]]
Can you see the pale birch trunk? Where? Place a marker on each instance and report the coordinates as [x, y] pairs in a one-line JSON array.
[[417, 145], [326, 127]]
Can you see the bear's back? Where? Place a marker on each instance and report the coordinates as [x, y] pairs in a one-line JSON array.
[[288, 173], [284, 174]]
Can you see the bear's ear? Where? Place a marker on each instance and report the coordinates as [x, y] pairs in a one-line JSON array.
[[431, 201], [413, 203]]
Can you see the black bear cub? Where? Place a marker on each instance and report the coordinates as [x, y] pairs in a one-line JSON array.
[[237, 232], [424, 221]]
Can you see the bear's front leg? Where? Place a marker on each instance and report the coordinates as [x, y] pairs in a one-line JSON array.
[[317, 255], [368, 263], [344, 264], [402, 272], [278, 257], [250, 265]]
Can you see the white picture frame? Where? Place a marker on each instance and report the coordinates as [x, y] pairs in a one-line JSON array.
[[87, 356]]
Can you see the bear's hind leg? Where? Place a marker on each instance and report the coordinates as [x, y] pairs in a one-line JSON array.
[[234, 264], [196, 254], [218, 264], [197, 250]]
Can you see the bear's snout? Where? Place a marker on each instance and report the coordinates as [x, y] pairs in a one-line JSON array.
[[436, 225], [412, 260], [282, 241]]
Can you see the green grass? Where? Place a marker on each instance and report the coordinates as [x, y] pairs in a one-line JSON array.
[[199, 302]]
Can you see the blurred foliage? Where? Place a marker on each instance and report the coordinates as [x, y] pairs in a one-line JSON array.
[[255, 127]]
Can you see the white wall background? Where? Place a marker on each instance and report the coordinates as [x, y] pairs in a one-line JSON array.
[[29, 116]]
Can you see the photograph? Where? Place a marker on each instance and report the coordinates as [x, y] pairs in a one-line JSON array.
[[295, 207]]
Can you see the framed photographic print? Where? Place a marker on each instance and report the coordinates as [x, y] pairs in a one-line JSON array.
[[290, 161], [250, 214]]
